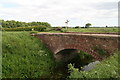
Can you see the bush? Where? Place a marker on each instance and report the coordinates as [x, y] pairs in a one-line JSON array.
[[36, 28], [64, 30], [63, 27], [48, 29], [77, 26], [57, 28], [82, 27]]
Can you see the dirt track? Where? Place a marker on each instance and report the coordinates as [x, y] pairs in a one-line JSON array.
[[86, 34]]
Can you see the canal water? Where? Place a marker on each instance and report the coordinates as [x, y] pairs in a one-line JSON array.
[[61, 68]]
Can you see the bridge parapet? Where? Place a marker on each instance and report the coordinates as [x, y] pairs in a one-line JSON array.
[[98, 45]]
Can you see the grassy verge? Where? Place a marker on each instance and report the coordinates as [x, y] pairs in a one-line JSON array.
[[106, 69], [24, 56]]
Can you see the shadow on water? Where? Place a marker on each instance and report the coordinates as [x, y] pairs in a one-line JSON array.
[[61, 68]]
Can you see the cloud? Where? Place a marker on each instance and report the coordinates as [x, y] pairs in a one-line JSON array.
[[79, 12], [106, 5]]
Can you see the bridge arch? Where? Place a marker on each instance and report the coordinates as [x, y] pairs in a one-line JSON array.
[[65, 54], [71, 52], [87, 42]]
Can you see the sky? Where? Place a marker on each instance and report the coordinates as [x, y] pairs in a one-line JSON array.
[[56, 12]]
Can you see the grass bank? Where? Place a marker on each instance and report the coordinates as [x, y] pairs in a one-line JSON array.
[[108, 68], [24, 56]]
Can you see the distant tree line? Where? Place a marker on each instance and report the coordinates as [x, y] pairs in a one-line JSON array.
[[15, 24]]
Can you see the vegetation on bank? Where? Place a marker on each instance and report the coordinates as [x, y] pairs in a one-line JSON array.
[[108, 68], [24, 56]]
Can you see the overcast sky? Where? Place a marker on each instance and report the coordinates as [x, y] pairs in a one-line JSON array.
[[56, 12]]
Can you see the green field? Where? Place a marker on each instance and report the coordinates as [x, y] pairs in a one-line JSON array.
[[92, 30], [25, 56], [104, 30]]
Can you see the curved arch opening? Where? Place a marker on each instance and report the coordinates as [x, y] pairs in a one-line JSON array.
[[65, 55], [74, 56], [77, 57]]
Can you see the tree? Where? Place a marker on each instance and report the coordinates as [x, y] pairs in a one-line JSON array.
[[87, 25], [14, 24]]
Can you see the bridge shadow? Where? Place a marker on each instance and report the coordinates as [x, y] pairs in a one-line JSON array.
[[74, 56], [65, 55], [77, 57]]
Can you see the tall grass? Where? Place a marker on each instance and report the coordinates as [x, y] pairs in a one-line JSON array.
[[24, 56], [106, 69]]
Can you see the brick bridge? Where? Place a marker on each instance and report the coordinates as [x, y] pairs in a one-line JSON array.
[[65, 45]]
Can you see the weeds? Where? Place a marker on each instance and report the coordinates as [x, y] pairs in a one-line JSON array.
[[24, 56]]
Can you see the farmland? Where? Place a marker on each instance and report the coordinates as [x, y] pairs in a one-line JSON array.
[[103, 29]]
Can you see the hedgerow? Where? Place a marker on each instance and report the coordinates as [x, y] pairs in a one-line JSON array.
[[36, 28]]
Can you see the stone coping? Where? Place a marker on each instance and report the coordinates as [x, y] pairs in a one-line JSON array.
[[80, 33]]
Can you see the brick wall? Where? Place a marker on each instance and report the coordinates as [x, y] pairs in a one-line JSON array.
[[87, 43]]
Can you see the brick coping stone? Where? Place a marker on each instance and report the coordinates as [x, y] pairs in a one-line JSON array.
[[80, 33]]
